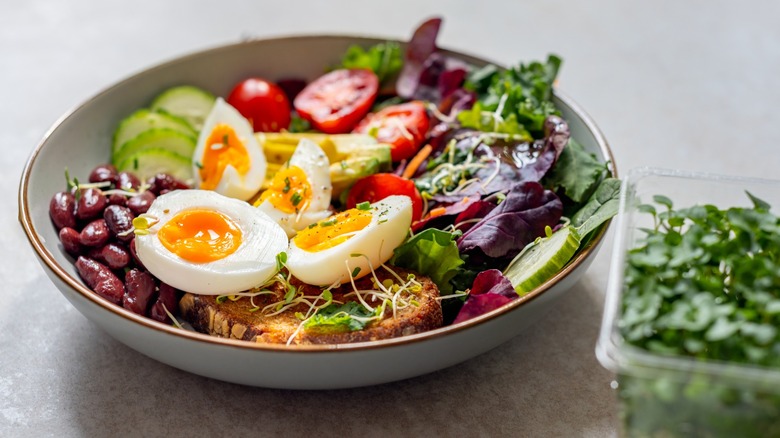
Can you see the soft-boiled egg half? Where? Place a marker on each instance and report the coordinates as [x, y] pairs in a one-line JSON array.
[[350, 243], [228, 159], [298, 195], [205, 243]]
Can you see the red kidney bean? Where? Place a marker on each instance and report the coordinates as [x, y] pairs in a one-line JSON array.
[[90, 204], [126, 180], [134, 254], [71, 240], [100, 279], [140, 203], [61, 210], [117, 199], [95, 233], [120, 221], [164, 181], [103, 173], [113, 255], [139, 288], [168, 297]]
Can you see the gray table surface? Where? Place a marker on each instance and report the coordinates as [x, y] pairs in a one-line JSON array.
[[691, 85]]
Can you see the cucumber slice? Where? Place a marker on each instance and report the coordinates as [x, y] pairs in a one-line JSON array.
[[190, 103], [149, 162], [144, 120], [543, 260], [159, 138]]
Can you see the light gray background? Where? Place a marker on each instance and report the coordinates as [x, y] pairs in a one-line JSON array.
[[691, 85]]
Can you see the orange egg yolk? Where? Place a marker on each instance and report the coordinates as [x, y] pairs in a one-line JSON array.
[[200, 235], [334, 231], [289, 190], [223, 148]]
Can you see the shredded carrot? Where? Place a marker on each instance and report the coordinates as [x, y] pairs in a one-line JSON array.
[[415, 162], [438, 211]]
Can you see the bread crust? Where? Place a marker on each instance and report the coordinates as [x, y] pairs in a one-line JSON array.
[[233, 319]]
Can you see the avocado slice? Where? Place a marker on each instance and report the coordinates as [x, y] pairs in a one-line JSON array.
[[351, 156]]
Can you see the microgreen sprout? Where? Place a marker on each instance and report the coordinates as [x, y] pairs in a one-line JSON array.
[[175, 322], [704, 282], [141, 225]]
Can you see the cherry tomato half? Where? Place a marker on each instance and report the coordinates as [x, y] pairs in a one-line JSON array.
[[404, 126], [335, 102], [263, 103], [379, 186]]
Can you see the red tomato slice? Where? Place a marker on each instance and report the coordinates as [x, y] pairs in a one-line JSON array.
[[263, 103], [379, 186], [337, 101], [404, 126]]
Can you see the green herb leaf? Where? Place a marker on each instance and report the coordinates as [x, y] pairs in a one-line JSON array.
[[433, 253], [298, 124], [296, 199], [339, 318], [759, 204], [706, 282]]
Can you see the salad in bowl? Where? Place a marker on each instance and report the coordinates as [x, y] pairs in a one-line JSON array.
[[402, 194]]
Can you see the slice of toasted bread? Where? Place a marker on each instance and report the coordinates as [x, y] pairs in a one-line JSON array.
[[234, 319]]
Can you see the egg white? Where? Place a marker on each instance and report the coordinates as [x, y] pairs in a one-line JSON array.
[[315, 164], [367, 249], [253, 262], [232, 183]]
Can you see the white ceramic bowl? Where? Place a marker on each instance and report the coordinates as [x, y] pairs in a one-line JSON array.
[[81, 140]]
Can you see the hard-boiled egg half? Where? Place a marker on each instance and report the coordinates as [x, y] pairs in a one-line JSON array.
[[298, 195], [202, 242], [350, 243], [228, 158]]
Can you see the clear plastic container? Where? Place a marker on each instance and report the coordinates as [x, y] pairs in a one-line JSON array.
[[672, 395]]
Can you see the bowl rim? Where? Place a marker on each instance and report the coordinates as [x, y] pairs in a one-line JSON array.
[[47, 258], [623, 358]]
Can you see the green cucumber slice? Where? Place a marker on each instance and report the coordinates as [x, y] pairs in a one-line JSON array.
[[149, 162], [158, 138], [543, 260], [144, 120], [186, 101]]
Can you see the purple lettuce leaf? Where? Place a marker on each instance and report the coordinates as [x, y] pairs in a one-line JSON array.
[[291, 87], [457, 100], [517, 221], [517, 161], [420, 48], [490, 290], [457, 213], [476, 209], [493, 281], [427, 74], [556, 137]]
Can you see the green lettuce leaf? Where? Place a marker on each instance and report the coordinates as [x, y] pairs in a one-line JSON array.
[[601, 206], [521, 94], [488, 121], [433, 253], [384, 59], [577, 172]]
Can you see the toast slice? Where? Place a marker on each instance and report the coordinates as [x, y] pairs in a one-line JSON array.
[[252, 320]]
